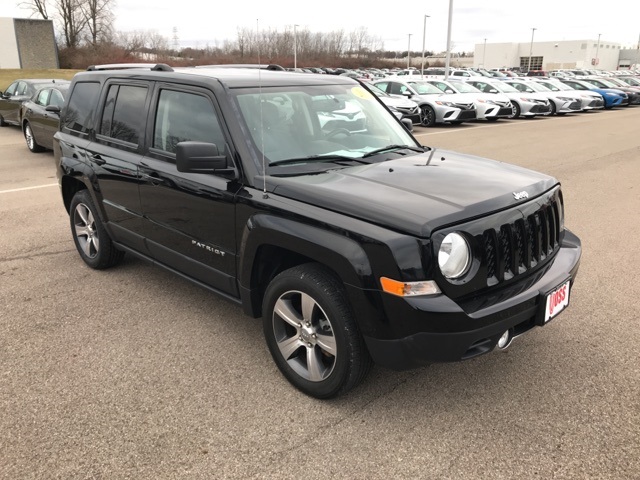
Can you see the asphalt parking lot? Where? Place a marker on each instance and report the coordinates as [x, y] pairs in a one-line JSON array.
[[136, 373]]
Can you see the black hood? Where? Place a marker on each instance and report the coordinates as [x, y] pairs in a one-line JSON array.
[[420, 193]]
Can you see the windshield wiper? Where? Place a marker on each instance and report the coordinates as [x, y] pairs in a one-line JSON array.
[[394, 147], [318, 158]]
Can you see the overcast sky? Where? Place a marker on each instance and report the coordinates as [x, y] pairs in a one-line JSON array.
[[202, 22]]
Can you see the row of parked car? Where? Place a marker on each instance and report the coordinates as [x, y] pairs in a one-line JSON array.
[[460, 99], [425, 99]]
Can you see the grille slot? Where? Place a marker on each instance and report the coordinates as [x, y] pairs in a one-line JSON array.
[[515, 248]]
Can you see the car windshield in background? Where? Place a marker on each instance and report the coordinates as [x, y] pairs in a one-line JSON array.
[[425, 88], [464, 87], [538, 87], [312, 124], [504, 88]]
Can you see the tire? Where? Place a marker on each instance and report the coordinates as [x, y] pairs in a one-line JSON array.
[[427, 116], [92, 240], [298, 305], [554, 110], [30, 139], [515, 108], [2, 122]]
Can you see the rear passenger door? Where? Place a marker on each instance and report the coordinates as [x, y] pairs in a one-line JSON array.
[[115, 155], [189, 218]]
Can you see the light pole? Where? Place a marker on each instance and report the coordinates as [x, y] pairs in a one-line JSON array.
[[533, 30], [598, 50], [424, 35], [448, 59], [484, 54], [409, 51], [295, 47]]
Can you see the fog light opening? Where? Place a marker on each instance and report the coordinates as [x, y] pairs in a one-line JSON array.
[[505, 340]]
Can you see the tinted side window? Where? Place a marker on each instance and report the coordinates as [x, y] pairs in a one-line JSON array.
[[56, 98], [79, 112], [183, 116], [11, 90], [42, 97], [124, 113]]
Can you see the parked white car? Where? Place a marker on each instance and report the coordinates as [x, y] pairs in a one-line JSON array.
[[435, 105], [522, 104], [489, 106]]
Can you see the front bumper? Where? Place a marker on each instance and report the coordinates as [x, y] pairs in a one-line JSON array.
[[444, 331]]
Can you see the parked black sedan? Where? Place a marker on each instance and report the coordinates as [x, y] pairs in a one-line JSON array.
[[41, 116], [18, 92]]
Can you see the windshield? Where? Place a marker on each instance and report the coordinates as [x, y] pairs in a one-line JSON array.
[[425, 88], [538, 87], [299, 123], [504, 88], [464, 87]]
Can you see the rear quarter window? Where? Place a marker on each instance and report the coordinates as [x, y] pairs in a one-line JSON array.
[[78, 116]]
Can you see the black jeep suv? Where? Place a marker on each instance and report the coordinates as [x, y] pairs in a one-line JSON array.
[[305, 200]]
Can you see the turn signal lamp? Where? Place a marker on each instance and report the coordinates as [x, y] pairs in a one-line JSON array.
[[409, 289]]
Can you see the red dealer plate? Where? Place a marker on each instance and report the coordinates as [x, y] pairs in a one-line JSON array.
[[557, 301]]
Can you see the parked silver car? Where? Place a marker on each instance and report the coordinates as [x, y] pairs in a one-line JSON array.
[[523, 104], [402, 107], [489, 106], [435, 105], [590, 100], [560, 103]]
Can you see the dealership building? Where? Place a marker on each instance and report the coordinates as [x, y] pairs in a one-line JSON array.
[[27, 43], [600, 54]]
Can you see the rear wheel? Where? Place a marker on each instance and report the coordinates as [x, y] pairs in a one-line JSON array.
[[311, 333], [91, 238], [31, 140], [427, 116]]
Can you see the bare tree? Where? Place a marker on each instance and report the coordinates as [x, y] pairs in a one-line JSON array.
[[37, 7], [72, 21], [98, 15]]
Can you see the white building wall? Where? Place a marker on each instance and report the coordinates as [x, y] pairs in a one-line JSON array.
[[562, 54], [9, 57]]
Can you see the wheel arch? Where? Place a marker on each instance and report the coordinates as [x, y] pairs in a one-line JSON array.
[[272, 244]]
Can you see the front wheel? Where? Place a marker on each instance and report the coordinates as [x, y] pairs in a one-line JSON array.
[[427, 116], [92, 240], [515, 110], [30, 139], [311, 333]]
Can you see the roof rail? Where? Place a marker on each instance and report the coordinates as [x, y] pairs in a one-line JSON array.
[[264, 66], [158, 67]]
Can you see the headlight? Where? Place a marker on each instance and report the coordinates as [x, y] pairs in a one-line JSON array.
[[446, 104], [565, 99], [610, 94], [454, 256]]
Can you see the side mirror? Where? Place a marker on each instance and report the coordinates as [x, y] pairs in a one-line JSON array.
[[408, 124], [407, 94], [200, 157], [448, 90], [493, 90], [53, 109]]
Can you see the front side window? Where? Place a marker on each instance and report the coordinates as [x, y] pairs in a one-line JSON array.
[[11, 90], [56, 99], [185, 116], [43, 96], [78, 116], [123, 115]]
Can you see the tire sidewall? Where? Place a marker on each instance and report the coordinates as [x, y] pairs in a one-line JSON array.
[[294, 280], [83, 197]]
